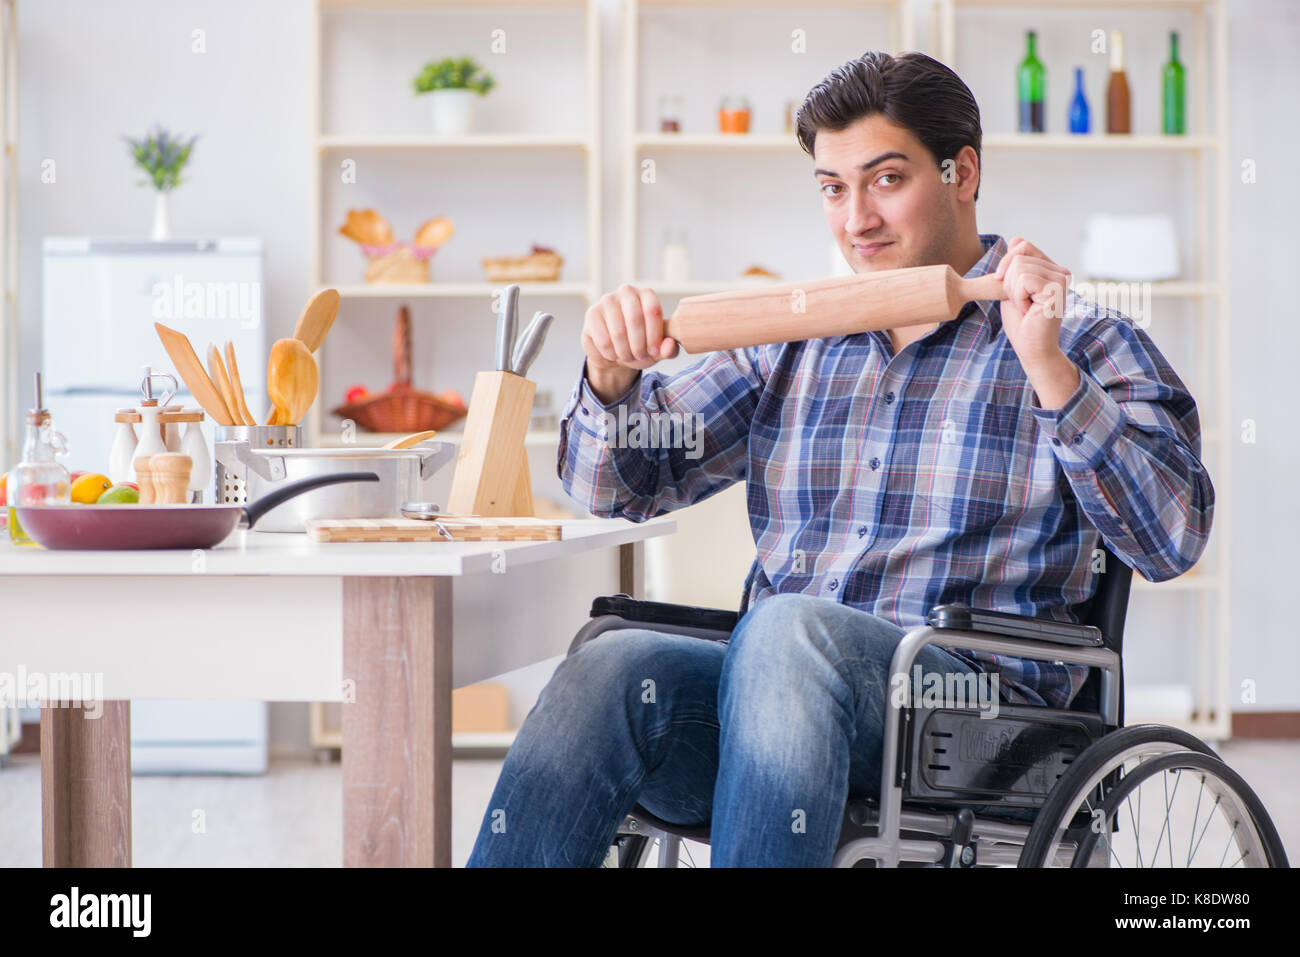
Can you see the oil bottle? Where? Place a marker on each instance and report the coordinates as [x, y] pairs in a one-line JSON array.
[[37, 479]]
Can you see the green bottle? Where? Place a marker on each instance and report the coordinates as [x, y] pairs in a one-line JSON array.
[[1174, 85], [1032, 82]]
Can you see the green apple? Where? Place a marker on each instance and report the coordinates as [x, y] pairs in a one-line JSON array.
[[119, 495]]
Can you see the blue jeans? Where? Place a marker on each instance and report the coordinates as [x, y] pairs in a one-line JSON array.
[[763, 739]]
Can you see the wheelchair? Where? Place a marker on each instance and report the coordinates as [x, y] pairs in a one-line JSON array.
[[953, 781]]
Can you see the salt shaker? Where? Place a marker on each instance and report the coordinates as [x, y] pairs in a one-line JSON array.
[[122, 452], [196, 447]]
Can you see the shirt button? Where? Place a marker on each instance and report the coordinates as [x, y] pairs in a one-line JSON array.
[[1077, 438], [862, 530], [833, 584], [889, 397], [1055, 440], [875, 464], [584, 410]]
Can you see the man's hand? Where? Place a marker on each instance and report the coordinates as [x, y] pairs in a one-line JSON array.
[[1035, 288], [622, 334]]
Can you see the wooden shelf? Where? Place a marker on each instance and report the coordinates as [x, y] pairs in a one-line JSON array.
[[719, 141], [453, 290], [491, 141], [1124, 142]]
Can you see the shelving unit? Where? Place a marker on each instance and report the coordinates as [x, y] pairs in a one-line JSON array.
[[330, 145], [1208, 291], [9, 316], [639, 142]]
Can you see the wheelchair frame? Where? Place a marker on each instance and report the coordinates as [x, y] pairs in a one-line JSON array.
[[886, 832]]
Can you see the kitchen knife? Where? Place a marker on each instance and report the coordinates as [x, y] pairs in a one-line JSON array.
[[507, 319], [840, 306], [530, 344]]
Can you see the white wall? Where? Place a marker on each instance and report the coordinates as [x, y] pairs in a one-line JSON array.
[[93, 71]]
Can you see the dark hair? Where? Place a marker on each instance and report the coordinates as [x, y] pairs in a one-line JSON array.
[[911, 90]]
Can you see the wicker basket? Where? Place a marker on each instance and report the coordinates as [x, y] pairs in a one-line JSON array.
[[401, 264], [402, 408], [537, 267]]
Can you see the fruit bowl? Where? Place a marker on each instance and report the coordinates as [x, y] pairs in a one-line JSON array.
[[402, 410]]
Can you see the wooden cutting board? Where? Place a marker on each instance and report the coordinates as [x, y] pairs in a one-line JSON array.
[[419, 530]]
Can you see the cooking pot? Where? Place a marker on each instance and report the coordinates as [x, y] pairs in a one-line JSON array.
[[246, 469]]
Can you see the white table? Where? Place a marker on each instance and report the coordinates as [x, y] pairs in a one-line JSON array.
[[277, 617]]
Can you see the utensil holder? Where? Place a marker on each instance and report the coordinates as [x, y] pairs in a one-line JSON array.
[[492, 477], [231, 476]]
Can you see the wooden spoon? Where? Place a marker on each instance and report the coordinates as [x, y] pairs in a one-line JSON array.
[[192, 373], [237, 385], [415, 438], [217, 369], [291, 380], [317, 317]]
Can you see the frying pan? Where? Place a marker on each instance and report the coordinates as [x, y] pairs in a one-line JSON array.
[[158, 526]]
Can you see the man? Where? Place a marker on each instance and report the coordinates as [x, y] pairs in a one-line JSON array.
[[973, 460]]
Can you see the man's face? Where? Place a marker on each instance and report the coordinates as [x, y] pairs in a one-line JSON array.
[[885, 201]]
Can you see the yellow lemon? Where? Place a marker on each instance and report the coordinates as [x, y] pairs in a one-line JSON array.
[[87, 489]]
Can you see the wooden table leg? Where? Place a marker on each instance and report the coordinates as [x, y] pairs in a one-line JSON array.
[[86, 786], [397, 722]]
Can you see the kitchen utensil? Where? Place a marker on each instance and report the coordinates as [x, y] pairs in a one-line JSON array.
[[192, 373], [237, 386], [195, 446], [415, 438], [245, 472], [507, 319], [492, 476], [530, 343], [122, 452], [151, 440], [171, 476], [317, 317], [291, 380], [217, 370], [160, 526], [838, 306], [461, 529]]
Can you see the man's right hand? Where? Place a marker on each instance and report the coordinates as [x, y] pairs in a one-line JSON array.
[[623, 333]]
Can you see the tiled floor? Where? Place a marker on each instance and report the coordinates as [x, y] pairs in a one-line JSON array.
[[291, 816]]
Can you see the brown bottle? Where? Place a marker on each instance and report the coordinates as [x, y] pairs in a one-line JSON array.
[[1118, 119]]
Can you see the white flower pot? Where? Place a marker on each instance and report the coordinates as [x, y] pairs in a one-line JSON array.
[[452, 111], [161, 225]]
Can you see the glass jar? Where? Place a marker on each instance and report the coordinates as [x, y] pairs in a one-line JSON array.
[[37, 479], [670, 113], [733, 115]]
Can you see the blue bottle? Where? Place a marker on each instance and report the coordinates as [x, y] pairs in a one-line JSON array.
[[1078, 105]]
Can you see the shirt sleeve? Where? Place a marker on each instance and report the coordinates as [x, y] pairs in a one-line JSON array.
[[670, 441], [1129, 442]]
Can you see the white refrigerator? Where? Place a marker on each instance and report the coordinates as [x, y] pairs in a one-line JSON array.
[[100, 300]]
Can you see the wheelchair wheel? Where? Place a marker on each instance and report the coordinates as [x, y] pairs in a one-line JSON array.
[[1199, 812], [644, 850]]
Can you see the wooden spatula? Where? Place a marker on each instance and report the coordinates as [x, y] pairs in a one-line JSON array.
[[191, 372], [237, 386], [317, 317], [840, 306], [217, 370], [415, 438]]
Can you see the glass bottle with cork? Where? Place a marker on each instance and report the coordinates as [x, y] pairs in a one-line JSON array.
[[37, 479]]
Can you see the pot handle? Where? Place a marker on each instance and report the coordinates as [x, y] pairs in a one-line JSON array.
[[256, 510], [434, 455]]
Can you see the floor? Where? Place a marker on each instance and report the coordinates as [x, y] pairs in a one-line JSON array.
[[290, 817]]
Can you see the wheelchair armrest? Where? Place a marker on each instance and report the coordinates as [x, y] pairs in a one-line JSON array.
[[962, 617], [664, 613]]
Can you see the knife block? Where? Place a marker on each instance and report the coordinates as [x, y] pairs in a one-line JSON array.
[[492, 477]]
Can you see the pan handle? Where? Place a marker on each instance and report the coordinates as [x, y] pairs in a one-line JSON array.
[[255, 510]]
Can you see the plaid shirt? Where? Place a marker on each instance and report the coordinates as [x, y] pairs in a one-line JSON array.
[[894, 483]]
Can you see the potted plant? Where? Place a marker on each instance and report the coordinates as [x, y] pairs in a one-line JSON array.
[[451, 84], [162, 156]]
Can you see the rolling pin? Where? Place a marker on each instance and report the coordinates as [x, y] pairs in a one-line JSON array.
[[840, 306]]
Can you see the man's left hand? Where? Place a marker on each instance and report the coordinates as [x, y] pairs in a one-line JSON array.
[[1035, 290]]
